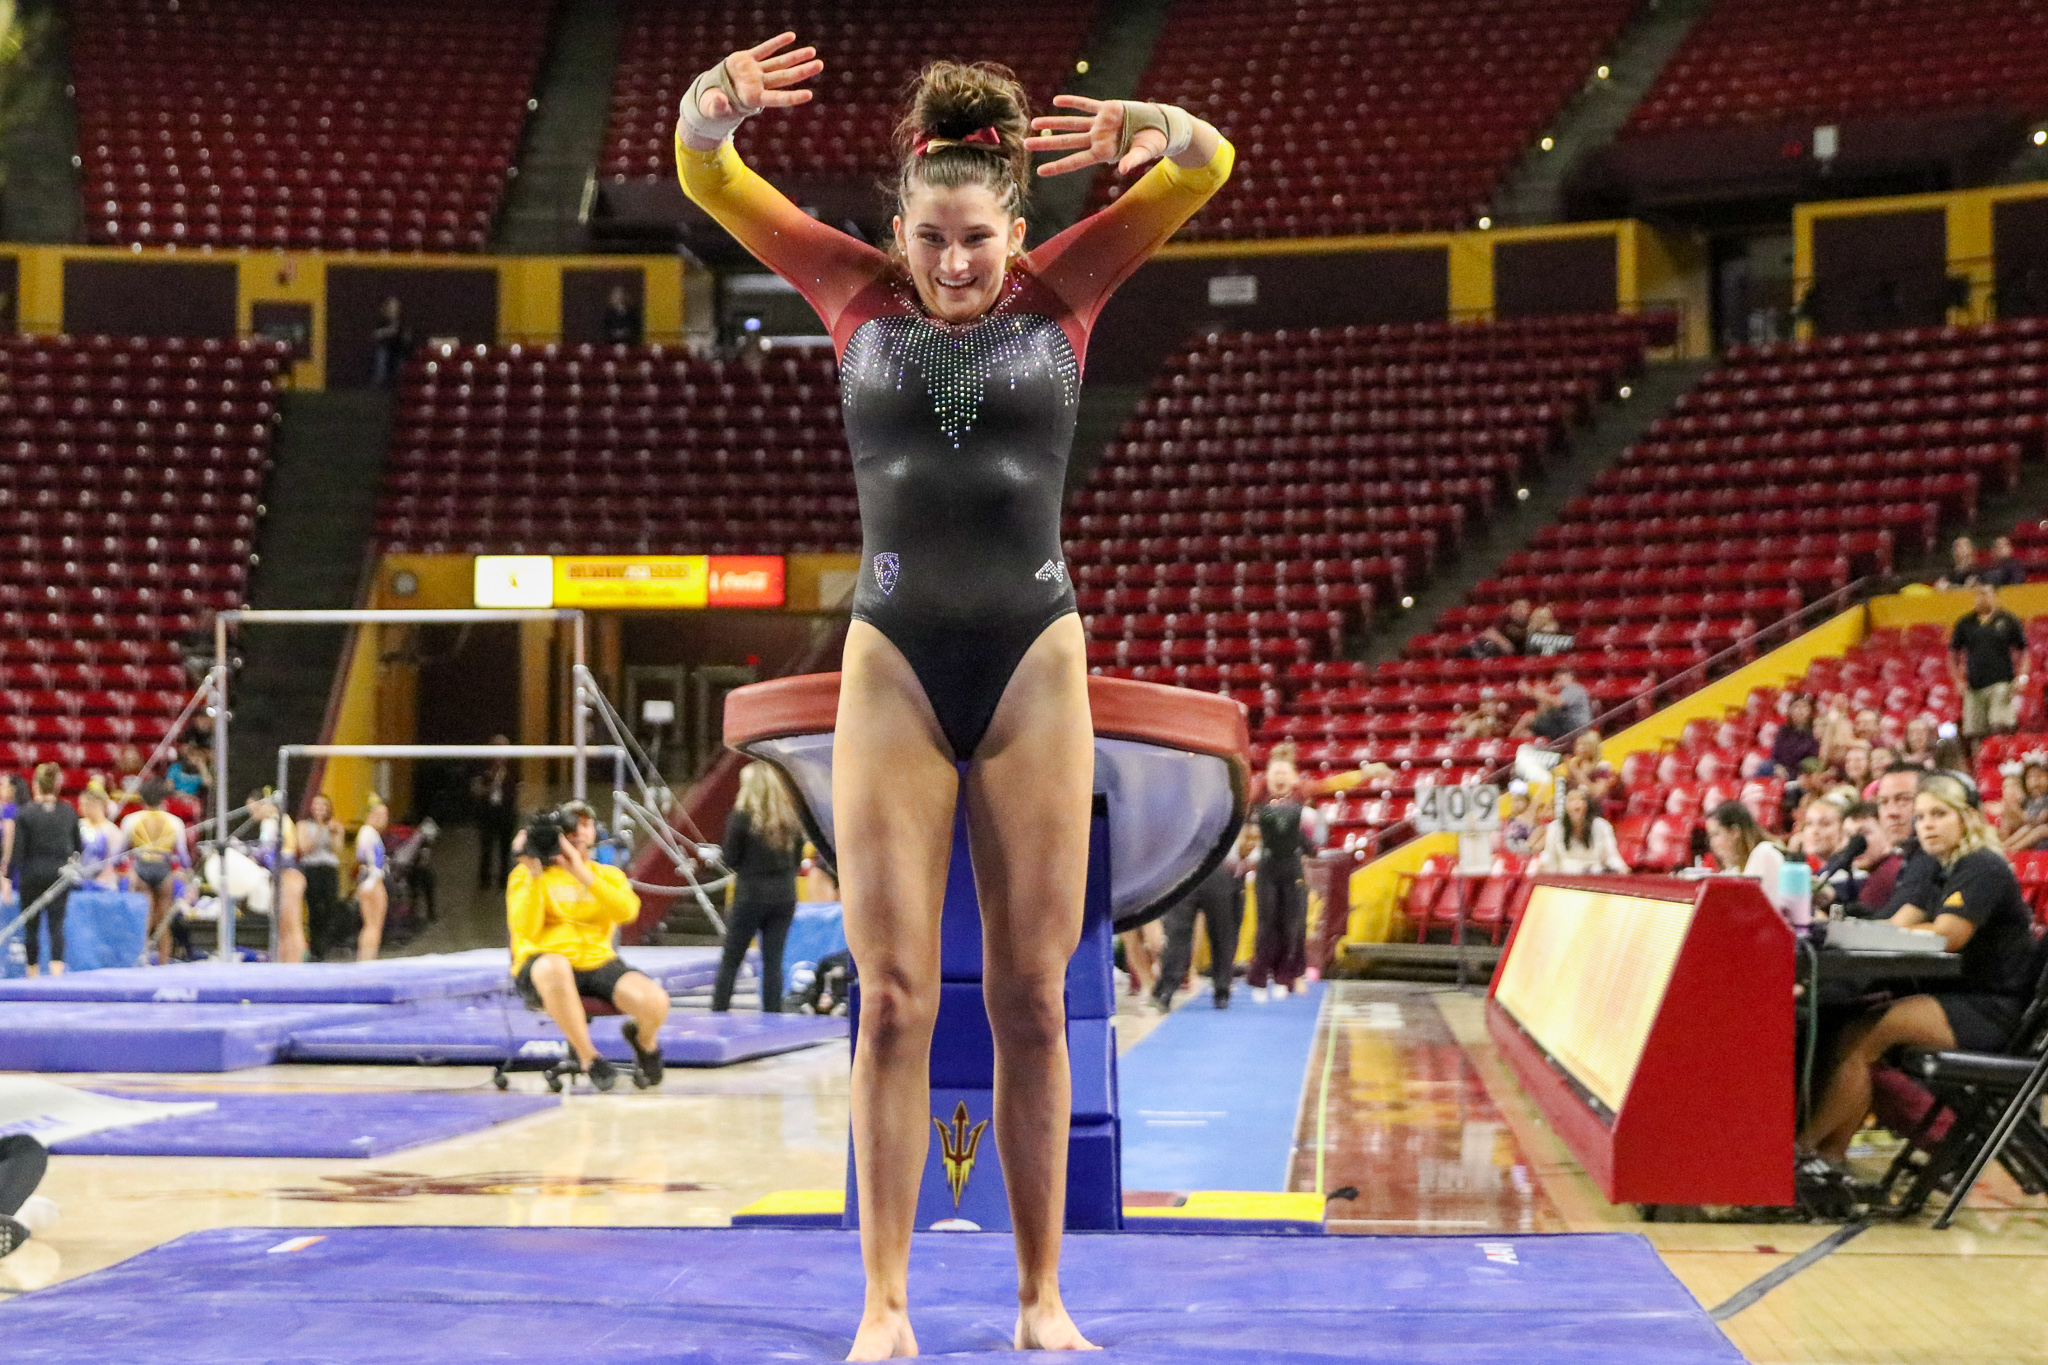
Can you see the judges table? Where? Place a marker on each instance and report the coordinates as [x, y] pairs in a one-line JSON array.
[[1170, 790], [1651, 1020]]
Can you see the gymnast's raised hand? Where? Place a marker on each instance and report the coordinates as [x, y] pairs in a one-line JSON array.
[[745, 83], [1122, 133]]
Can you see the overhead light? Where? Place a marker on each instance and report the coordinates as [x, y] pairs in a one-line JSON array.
[[1547, 144], [1485, 223], [1521, 495], [1081, 67], [1627, 392], [1601, 72], [2040, 136], [1407, 602]]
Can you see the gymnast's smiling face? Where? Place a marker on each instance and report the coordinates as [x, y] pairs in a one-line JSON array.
[[957, 242]]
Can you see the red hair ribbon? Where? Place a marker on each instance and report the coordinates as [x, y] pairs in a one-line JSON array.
[[980, 137]]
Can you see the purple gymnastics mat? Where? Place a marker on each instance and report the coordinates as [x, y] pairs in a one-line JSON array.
[[677, 969], [47, 1035], [395, 981], [469, 1032], [721, 1296], [353, 1123]]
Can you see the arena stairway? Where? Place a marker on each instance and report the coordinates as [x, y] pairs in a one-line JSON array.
[[1614, 429], [1533, 191], [319, 512], [39, 131], [543, 209], [1116, 53]]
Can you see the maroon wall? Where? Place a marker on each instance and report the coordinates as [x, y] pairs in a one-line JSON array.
[[1879, 270], [2019, 240], [150, 298], [458, 302], [1553, 276]]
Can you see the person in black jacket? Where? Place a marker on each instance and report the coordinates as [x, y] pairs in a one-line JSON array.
[[763, 843], [45, 839]]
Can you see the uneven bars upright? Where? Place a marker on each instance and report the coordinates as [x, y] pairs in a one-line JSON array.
[[579, 765]]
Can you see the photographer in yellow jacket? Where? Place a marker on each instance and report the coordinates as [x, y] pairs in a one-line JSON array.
[[562, 909]]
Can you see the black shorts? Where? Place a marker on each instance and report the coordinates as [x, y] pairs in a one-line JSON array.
[[151, 870], [599, 982], [1981, 1023]]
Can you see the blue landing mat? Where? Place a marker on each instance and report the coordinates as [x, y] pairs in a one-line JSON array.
[[677, 969], [396, 981], [1210, 1097], [721, 1296], [357, 1123], [487, 1031], [45, 1035]]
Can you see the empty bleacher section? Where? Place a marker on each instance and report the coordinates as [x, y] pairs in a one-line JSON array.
[[1366, 117], [1824, 61], [1275, 488], [600, 449], [834, 149], [370, 124], [133, 473]]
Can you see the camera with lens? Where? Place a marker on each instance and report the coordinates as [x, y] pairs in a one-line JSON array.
[[544, 831]]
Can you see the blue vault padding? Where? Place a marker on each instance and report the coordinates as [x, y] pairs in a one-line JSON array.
[[963, 1179]]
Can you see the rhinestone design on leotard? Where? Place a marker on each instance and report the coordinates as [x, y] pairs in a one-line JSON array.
[[957, 363]]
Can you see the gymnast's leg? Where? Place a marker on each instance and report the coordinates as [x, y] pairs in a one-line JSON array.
[[894, 788], [1028, 798]]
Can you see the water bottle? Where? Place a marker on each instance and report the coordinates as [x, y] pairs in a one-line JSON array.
[[1795, 894]]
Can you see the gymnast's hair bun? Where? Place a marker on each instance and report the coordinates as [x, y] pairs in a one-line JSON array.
[[951, 101]]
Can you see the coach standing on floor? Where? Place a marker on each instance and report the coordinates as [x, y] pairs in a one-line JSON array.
[[1987, 654]]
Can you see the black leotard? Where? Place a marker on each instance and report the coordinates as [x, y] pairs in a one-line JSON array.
[[960, 435]]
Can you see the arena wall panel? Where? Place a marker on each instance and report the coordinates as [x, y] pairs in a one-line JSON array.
[[150, 298]]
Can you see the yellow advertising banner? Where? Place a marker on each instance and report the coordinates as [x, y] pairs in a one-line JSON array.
[[633, 581]]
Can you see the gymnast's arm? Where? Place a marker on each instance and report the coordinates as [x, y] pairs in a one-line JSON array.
[[827, 266], [1087, 261]]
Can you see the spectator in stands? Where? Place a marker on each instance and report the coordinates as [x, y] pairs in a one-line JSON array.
[[1581, 842], [2005, 569], [1950, 756], [156, 849], [1219, 900], [1518, 831], [622, 321], [561, 911], [1921, 734], [1823, 834], [1882, 760], [1854, 768], [320, 840], [127, 771], [45, 843], [1741, 848], [496, 794], [1974, 902], [1835, 728], [1587, 768], [763, 844], [373, 898], [1545, 636], [1987, 653], [1561, 708], [1509, 634], [1869, 726], [1897, 787], [390, 345], [1795, 743], [189, 773], [1488, 720], [1963, 567]]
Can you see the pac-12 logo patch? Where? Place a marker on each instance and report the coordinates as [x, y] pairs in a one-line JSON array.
[[886, 569], [1052, 571]]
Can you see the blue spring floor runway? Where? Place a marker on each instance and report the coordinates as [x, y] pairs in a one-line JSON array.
[[428, 1296], [1210, 1097]]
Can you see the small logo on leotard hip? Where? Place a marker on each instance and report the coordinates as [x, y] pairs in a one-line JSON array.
[[886, 569], [1052, 571]]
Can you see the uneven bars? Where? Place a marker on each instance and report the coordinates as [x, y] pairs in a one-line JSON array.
[[342, 616], [445, 750]]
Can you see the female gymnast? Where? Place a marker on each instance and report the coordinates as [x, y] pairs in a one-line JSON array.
[[960, 360]]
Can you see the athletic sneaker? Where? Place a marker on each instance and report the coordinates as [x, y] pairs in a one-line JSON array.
[[12, 1235], [1221, 1001], [603, 1075], [1823, 1189], [1259, 996], [650, 1062]]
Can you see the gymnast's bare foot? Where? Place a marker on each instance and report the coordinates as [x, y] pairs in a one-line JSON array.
[[884, 1335], [1046, 1327]]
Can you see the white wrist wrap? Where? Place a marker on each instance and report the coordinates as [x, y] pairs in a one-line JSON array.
[[1174, 123], [702, 127]]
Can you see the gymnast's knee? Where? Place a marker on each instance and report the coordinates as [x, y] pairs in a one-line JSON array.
[[1027, 1011], [897, 1010]]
